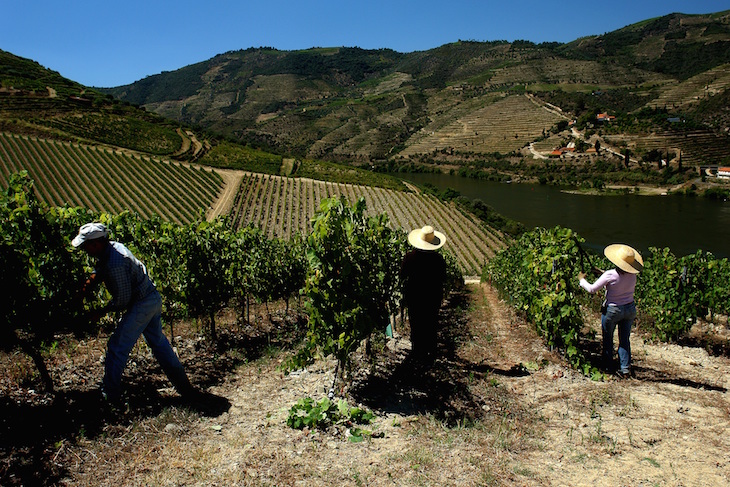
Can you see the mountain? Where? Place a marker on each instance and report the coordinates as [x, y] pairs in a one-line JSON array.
[[461, 100], [37, 101]]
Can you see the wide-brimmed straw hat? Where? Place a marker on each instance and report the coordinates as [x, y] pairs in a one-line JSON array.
[[426, 238], [90, 231], [625, 258]]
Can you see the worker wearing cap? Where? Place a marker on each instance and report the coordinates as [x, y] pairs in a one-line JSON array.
[[136, 298]]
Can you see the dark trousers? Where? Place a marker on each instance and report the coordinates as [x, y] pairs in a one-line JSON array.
[[424, 327]]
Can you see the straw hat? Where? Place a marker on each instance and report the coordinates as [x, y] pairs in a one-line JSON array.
[[625, 258], [426, 238]]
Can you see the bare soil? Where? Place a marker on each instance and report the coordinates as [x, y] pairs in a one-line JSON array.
[[232, 180], [496, 408]]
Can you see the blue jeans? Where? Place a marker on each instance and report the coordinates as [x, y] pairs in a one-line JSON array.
[[622, 316], [142, 318]]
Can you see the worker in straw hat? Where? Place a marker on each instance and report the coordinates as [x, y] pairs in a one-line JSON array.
[[135, 297], [619, 309], [423, 271]]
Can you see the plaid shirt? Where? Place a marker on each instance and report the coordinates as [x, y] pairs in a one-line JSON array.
[[124, 276]]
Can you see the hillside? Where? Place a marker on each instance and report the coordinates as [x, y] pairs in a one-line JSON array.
[[82, 147], [284, 207], [364, 107]]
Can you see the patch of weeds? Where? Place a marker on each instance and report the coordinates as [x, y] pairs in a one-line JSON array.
[[524, 471], [356, 478], [631, 405], [600, 438], [418, 458], [534, 366], [503, 435], [651, 462], [487, 477], [581, 458], [603, 398], [307, 413]]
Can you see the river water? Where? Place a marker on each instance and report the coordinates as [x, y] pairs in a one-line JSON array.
[[684, 224]]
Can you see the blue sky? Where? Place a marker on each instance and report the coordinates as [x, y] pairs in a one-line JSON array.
[[110, 43]]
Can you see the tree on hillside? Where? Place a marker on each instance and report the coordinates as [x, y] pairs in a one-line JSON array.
[[627, 154]]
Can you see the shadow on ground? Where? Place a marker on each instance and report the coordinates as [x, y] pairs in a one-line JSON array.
[[35, 425], [443, 388]]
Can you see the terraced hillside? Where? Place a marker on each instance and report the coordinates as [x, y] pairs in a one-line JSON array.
[[284, 206], [691, 91], [698, 147], [108, 180], [571, 72], [503, 126]]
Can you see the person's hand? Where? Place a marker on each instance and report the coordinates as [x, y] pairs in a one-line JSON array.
[[89, 285], [581, 276]]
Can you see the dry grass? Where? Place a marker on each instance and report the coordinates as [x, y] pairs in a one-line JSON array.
[[496, 409]]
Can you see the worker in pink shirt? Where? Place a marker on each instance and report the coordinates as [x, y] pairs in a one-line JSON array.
[[619, 309]]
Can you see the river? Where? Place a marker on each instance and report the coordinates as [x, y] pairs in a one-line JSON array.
[[684, 224]]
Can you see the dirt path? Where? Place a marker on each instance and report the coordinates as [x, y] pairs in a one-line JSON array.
[[231, 180], [666, 427]]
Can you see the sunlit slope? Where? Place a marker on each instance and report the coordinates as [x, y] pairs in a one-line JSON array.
[[285, 206], [109, 180]]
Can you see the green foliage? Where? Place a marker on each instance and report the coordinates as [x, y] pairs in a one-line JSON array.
[[25, 74], [176, 84], [307, 413], [537, 275], [38, 264], [674, 291], [105, 180], [230, 156], [42, 275], [195, 266], [353, 281], [339, 173], [120, 129], [206, 252], [685, 60]]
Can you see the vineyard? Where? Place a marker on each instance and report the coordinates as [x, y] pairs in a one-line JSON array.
[[571, 73], [502, 126], [284, 207], [697, 147], [202, 267], [102, 179], [538, 277], [500, 406], [693, 90]]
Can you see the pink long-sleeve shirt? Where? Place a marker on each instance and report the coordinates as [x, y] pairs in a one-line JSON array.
[[619, 286]]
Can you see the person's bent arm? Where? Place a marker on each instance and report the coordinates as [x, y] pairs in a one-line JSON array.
[[600, 283]]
